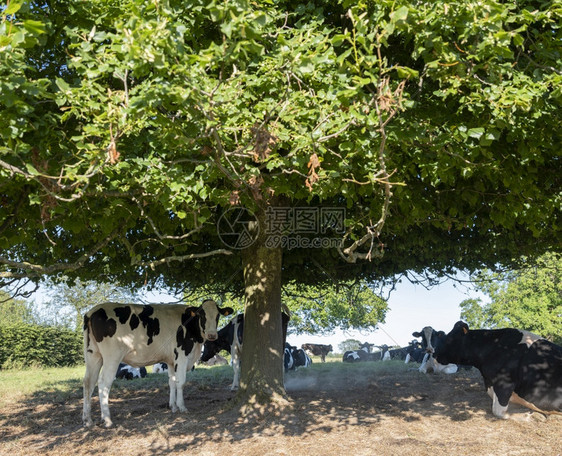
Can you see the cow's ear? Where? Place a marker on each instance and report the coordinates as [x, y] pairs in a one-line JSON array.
[[416, 334], [440, 334], [193, 313], [226, 311]]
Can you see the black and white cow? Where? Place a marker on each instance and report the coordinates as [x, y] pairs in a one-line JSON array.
[[301, 358], [363, 354], [416, 352], [230, 339], [129, 372], [429, 338], [317, 350], [516, 365], [141, 335], [288, 361], [295, 357]]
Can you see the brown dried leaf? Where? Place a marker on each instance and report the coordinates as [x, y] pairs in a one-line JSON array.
[[264, 143], [313, 165], [112, 153]]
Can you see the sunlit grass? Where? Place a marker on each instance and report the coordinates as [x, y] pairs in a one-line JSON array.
[[17, 384]]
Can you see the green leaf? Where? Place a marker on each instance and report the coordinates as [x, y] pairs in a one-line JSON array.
[[62, 85], [31, 169], [400, 14], [406, 73], [13, 7], [35, 27], [475, 133]]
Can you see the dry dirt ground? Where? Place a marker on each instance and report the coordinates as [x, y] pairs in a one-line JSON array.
[[396, 412]]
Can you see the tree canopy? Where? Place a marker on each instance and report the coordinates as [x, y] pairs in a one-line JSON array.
[[130, 128]]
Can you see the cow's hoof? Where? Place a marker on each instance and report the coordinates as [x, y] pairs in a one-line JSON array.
[[107, 423]]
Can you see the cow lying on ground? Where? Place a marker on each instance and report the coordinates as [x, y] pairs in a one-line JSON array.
[[416, 352], [517, 366], [141, 335], [317, 350], [129, 372], [364, 354], [229, 338], [295, 357], [429, 338], [288, 361]]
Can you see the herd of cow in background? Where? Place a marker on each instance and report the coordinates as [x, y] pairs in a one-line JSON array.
[[418, 351], [516, 365]]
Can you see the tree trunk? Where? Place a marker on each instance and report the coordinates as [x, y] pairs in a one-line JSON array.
[[261, 381]]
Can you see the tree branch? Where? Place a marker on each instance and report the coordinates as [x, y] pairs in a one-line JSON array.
[[152, 264], [37, 270]]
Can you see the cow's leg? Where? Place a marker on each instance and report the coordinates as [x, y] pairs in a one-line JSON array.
[[181, 375], [500, 400], [172, 384], [104, 385], [235, 354], [93, 366]]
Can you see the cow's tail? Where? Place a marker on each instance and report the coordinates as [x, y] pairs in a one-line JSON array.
[[285, 310], [90, 345]]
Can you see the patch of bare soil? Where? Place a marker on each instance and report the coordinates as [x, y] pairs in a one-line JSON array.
[[374, 413]]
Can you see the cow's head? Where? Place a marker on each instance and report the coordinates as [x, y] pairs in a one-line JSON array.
[[447, 348], [209, 314], [429, 338], [366, 346]]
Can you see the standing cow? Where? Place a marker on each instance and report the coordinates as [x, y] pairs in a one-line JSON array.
[[140, 335], [516, 365], [230, 339]]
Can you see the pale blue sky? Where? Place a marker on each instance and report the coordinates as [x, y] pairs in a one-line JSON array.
[[411, 308]]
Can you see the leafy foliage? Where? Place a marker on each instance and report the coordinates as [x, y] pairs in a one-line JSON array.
[[129, 127], [529, 299]]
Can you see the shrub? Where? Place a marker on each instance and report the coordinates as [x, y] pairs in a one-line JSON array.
[[23, 345]]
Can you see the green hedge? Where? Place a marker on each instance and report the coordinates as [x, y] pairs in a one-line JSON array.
[[23, 345]]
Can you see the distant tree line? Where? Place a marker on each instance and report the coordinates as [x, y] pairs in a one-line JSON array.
[[529, 298]]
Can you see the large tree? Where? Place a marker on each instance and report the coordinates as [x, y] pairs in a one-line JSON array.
[[130, 128]]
